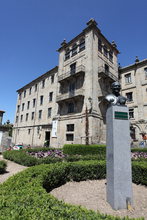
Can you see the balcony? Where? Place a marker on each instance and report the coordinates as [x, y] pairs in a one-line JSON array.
[[77, 70], [102, 72], [69, 95]]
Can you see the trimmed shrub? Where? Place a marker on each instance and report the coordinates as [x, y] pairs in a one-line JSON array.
[[80, 149], [20, 157], [3, 166], [139, 149], [23, 197], [139, 172]]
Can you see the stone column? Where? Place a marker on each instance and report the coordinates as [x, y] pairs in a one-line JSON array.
[[119, 174]]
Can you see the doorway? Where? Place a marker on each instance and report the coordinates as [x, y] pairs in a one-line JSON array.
[[47, 138]]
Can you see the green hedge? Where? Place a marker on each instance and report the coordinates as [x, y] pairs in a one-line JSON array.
[[3, 166], [73, 149], [24, 196], [139, 149], [139, 172], [20, 157]]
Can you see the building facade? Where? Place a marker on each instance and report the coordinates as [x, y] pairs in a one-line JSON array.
[[133, 79], [66, 104]]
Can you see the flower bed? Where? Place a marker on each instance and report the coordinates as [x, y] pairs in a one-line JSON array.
[[139, 155], [50, 153]]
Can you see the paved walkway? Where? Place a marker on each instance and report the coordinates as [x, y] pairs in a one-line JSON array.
[[12, 168]]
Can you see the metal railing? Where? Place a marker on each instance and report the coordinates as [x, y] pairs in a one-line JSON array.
[[78, 69], [70, 94], [102, 70]]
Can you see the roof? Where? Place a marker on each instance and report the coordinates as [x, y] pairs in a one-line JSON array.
[[1, 111], [132, 66], [91, 24], [50, 72]]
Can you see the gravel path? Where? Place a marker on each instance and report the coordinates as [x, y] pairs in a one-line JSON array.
[[92, 195], [12, 168]]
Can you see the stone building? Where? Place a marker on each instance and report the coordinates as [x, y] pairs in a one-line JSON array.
[[66, 104], [133, 79], [5, 140]]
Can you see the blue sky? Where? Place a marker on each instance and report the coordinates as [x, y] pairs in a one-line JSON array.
[[31, 31]]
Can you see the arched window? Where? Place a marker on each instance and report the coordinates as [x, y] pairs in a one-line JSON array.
[[82, 44], [67, 54], [74, 49]]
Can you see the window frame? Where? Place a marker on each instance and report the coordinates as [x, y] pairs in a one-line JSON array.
[[128, 78], [129, 96], [131, 111], [70, 127], [68, 136]]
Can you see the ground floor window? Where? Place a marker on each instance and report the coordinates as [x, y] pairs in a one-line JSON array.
[[131, 113], [70, 127], [69, 137]]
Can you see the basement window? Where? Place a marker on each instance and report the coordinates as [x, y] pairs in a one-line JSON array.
[[69, 137]]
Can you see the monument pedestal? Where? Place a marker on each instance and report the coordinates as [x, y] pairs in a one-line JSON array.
[[118, 154]]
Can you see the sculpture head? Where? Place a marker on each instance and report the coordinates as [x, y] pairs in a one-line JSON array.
[[116, 88]]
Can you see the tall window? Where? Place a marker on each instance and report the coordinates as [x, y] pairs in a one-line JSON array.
[[145, 71], [16, 119], [52, 79], [129, 96], [40, 114], [111, 55], [82, 44], [72, 88], [49, 112], [71, 107], [33, 113], [131, 113], [35, 87], [105, 51], [18, 108], [41, 100], [43, 83], [21, 118], [28, 105], [34, 102], [106, 68], [73, 68], [50, 96], [24, 94], [100, 45], [67, 54], [27, 115], [30, 90], [23, 106], [128, 78], [29, 131], [74, 50]]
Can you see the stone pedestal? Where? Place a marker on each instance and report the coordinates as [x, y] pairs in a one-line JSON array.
[[119, 175]]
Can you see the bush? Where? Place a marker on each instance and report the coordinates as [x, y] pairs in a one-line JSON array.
[[138, 150], [139, 172], [3, 166], [23, 196], [20, 157], [80, 149]]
